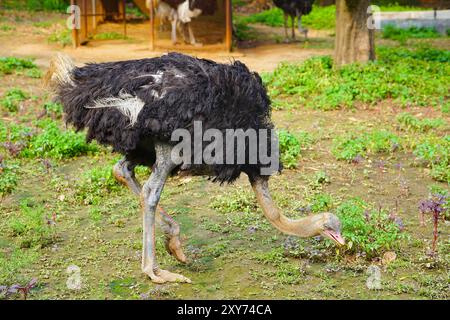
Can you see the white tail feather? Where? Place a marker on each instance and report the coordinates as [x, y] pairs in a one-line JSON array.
[[128, 105]]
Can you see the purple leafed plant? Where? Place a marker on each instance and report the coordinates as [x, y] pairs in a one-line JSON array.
[[434, 205], [17, 288]]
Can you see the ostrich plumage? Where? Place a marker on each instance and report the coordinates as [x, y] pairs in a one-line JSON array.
[[294, 9], [172, 91], [135, 106]]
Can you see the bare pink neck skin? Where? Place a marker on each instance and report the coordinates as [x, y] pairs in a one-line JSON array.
[[304, 227]]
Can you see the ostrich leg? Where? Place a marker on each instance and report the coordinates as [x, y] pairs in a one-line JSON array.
[[293, 27], [286, 27], [174, 29], [124, 173], [150, 195], [191, 36], [300, 28]]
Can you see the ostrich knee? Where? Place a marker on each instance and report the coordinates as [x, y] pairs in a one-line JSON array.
[[123, 171]]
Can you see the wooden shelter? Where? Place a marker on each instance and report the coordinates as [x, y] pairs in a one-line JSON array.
[[92, 13]]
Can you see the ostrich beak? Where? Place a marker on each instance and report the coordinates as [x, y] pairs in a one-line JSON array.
[[335, 236]]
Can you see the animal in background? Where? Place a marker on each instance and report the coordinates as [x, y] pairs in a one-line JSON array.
[[294, 9], [180, 14]]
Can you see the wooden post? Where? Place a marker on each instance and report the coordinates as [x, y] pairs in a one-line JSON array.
[[152, 26], [124, 5], [85, 19], [228, 26], [75, 38]]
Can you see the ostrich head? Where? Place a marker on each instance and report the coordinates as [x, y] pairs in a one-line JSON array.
[[324, 224]]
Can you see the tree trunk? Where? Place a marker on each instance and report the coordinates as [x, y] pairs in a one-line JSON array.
[[355, 42]]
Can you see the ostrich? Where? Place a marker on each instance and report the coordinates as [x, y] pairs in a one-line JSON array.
[[294, 8], [180, 14], [137, 106]]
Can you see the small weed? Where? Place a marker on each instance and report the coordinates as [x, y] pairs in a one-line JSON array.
[[291, 145], [94, 184], [31, 226], [62, 37], [436, 207], [238, 200], [6, 28], [350, 146], [402, 34], [408, 121], [435, 151], [12, 261], [54, 109], [8, 177], [8, 65], [367, 230], [55, 143], [108, 36], [12, 98]]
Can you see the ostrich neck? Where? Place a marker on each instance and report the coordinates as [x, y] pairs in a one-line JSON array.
[[304, 227]]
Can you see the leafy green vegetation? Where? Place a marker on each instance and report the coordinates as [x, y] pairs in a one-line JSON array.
[[291, 145], [108, 36], [239, 200], [352, 145], [56, 143], [367, 230], [12, 263], [408, 121], [11, 99], [435, 151], [36, 5], [8, 177], [8, 65], [32, 226], [6, 28], [320, 17], [243, 31], [409, 77], [54, 109], [62, 37], [401, 34], [94, 184]]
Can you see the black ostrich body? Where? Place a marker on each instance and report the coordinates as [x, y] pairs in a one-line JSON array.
[[294, 9], [177, 90]]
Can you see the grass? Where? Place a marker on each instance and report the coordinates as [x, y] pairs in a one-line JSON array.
[[8, 177], [291, 146], [9, 65], [352, 145], [408, 121], [416, 77], [62, 37], [320, 18], [109, 36], [12, 263], [12, 99], [36, 5], [402, 34], [435, 152], [32, 226], [95, 184]]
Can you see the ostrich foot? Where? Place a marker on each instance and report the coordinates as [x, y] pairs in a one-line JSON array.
[[173, 246], [162, 276]]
